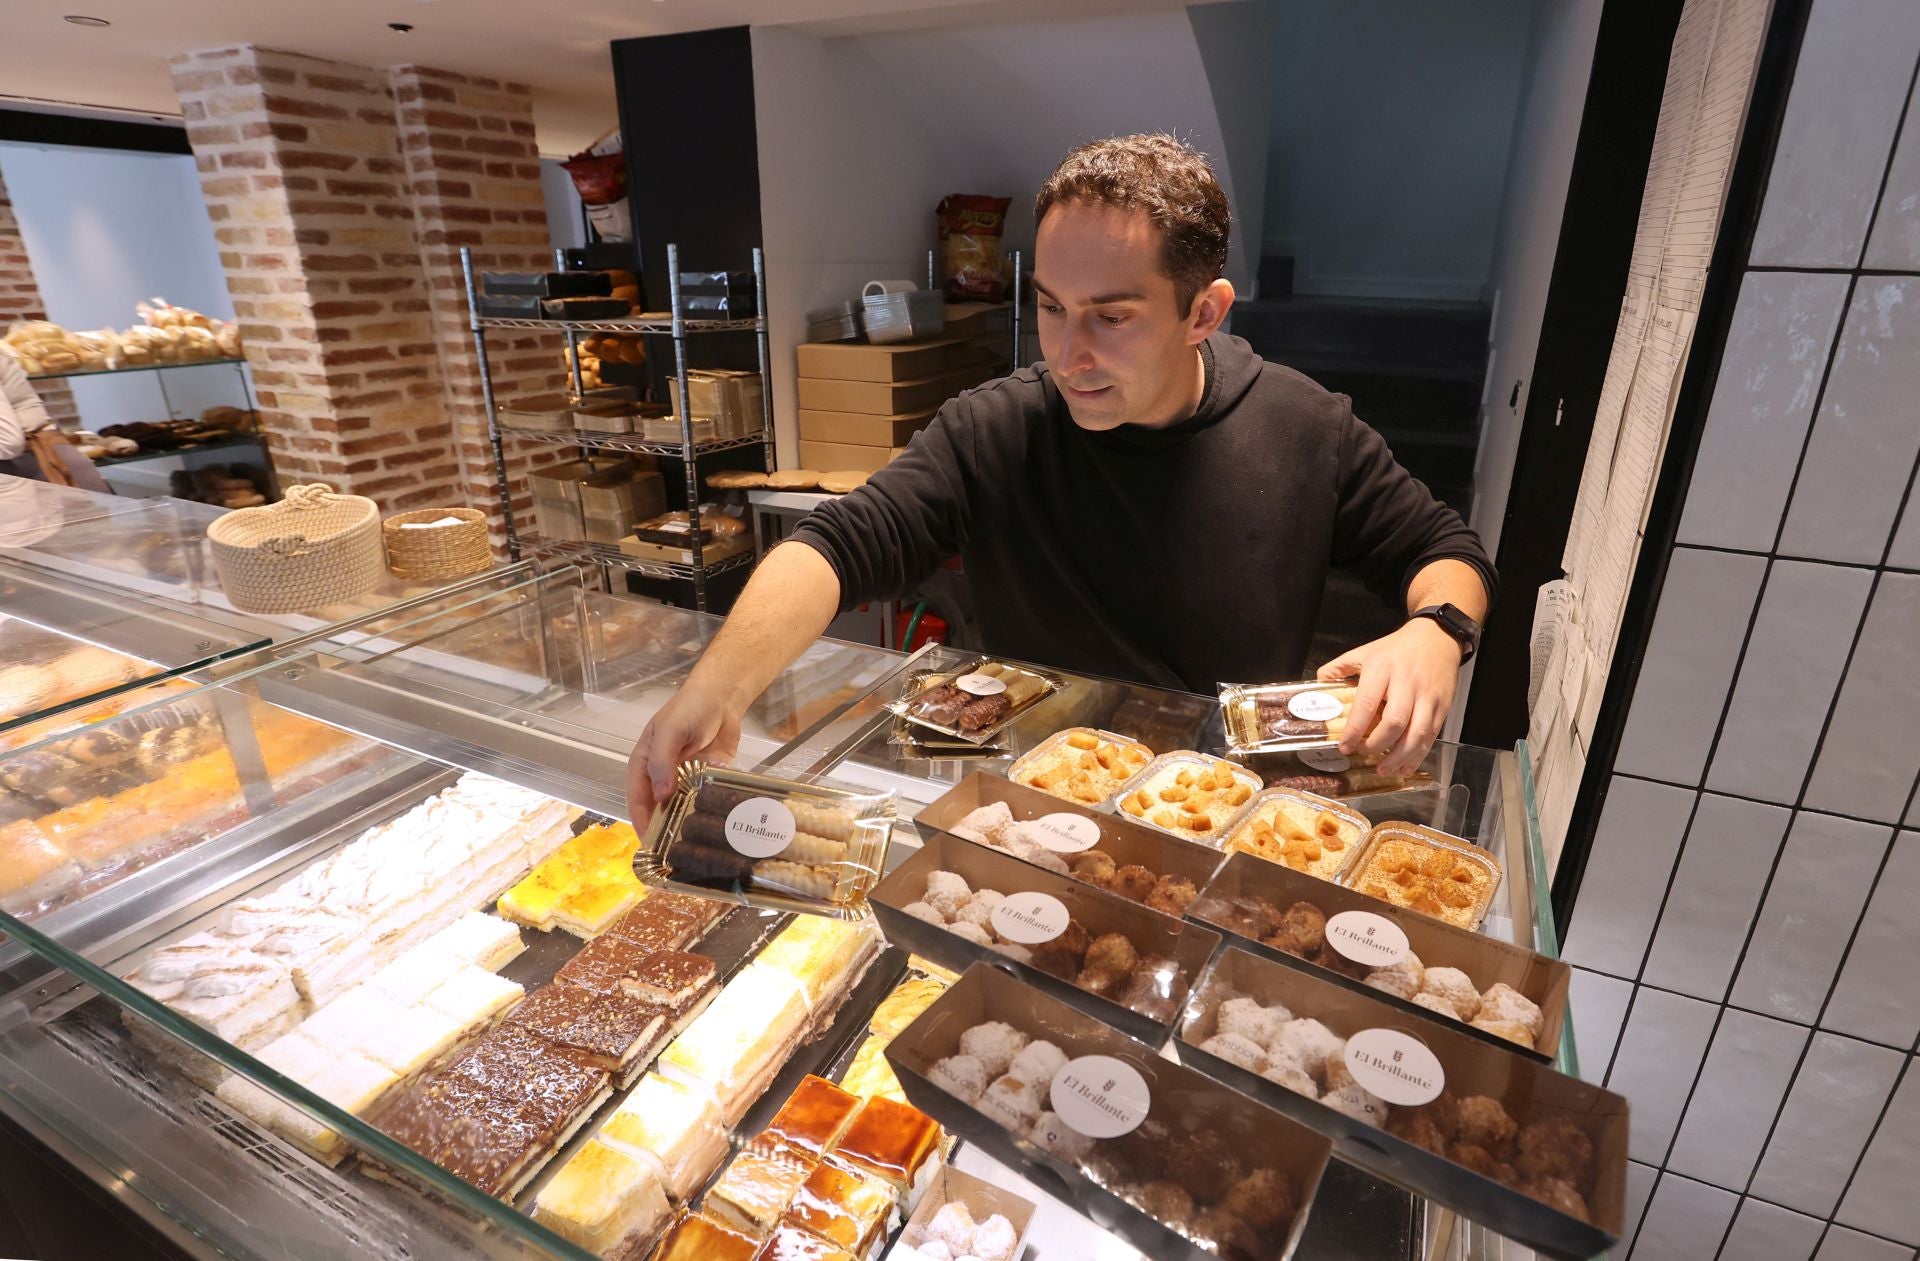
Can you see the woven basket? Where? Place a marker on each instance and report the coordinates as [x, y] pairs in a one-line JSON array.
[[448, 551], [312, 548]]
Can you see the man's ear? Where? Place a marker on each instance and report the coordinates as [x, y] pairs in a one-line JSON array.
[[1210, 307]]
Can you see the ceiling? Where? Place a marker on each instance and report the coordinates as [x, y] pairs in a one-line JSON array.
[[560, 50]]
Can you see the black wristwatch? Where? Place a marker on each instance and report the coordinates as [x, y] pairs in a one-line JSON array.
[[1465, 631]]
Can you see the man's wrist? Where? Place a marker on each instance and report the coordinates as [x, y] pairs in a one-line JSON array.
[[1451, 625]]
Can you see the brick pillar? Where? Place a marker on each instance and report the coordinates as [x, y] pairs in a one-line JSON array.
[[20, 300], [473, 175], [337, 241]]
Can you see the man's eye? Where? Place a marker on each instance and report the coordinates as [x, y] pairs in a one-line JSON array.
[[1113, 321], [1050, 308]]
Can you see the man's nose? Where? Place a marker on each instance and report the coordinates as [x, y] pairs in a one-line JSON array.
[[1076, 355]]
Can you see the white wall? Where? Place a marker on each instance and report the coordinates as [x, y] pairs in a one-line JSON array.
[[861, 136], [1559, 59], [564, 229], [849, 177], [106, 229], [1236, 42], [1390, 135]]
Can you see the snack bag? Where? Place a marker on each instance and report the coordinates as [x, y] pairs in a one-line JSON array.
[[971, 226]]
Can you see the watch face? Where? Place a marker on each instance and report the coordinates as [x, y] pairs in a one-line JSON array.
[[1459, 623]]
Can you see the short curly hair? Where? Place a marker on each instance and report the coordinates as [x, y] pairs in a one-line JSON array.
[[1168, 179]]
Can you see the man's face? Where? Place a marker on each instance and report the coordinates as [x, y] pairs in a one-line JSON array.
[[1119, 346]]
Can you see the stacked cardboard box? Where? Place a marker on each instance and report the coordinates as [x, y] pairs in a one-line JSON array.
[[596, 502], [860, 404], [729, 397]]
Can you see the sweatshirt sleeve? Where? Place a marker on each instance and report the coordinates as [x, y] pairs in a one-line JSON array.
[[889, 535], [1389, 526]]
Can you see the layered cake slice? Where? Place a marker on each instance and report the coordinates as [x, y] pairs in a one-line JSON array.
[[605, 1201]]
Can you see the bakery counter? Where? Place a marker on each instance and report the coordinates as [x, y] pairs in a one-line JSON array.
[[410, 928]]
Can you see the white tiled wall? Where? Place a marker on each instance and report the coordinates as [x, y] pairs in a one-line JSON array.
[[1747, 935]]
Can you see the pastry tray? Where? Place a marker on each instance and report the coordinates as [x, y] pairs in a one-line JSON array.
[[1239, 708], [1360, 824], [903, 706], [1530, 1091], [1435, 942], [1189, 1100], [1097, 911], [733, 870], [1419, 835], [1125, 840], [1211, 839], [1032, 756], [920, 742]]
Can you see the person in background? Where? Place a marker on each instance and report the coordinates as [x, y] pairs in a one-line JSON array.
[[21, 414]]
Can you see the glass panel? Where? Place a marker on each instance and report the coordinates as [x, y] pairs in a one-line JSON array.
[[32, 511]]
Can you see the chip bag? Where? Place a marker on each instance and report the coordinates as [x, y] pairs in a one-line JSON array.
[[971, 226]]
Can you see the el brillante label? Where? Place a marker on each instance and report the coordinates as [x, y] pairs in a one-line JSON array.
[[1366, 938], [980, 684], [1326, 761], [1064, 833], [1100, 1096], [1315, 706], [760, 827], [1029, 918], [1395, 1067]]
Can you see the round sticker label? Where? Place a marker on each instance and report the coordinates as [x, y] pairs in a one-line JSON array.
[[1395, 1066], [1331, 761], [1315, 706], [760, 827], [1064, 833], [1100, 1096], [1030, 918], [980, 684], [1366, 938]]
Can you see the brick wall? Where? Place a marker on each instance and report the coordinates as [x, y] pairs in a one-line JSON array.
[[20, 300], [340, 195], [473, 178]]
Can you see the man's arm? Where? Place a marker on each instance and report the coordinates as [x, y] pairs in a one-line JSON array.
[[21, 411], [1398, 534], [875, 543]]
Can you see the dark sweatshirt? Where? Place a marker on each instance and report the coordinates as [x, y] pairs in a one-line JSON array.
[[1182, 557]]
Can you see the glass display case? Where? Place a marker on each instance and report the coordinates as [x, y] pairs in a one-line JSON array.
[[345, 767]]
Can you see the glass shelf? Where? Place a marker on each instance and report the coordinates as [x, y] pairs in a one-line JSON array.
[[661, 323], [629, 443], [137, 367], [225, 444]]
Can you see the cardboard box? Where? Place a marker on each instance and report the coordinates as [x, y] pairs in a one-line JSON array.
[[1438, 944], [976, 319], [1528, 1090], [863, 431], [842, 457], [982, 1199], [1181, 1098], [858, 361], [711, 551], [730, 397], [875, 398]]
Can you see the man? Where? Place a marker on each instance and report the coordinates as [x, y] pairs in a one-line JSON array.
[[1153, 502]]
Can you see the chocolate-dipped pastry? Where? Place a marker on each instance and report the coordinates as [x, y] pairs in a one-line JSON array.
[[984, 711], [942, 704], [711, 866], [1277, 720], [1319, 785]]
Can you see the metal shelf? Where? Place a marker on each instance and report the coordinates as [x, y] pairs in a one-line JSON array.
[[640, 324], [136, 367], [629, 443], [673, 323], [608, 554]]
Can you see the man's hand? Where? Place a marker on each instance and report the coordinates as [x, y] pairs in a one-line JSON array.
[[1406, 688], [696, 723]]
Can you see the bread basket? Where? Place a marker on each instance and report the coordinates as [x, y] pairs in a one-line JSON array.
[[312, 548], [421, 551]]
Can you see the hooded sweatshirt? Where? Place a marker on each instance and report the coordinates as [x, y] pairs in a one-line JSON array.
[[1180, 556]]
